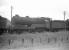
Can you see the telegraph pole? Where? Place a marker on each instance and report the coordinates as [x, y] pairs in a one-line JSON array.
[[11, 11], [11, 16], [64, 19], [64, 15]]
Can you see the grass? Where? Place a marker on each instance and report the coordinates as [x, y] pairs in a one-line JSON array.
[[47, 39]]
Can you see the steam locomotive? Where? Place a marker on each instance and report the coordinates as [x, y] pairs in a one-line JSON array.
[[28, 24]]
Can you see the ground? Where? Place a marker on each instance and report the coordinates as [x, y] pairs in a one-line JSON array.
[[35, 41]]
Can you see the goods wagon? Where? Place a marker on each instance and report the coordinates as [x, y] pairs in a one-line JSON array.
[[3, 27]]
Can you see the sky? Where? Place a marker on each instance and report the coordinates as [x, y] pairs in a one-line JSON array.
[[35, 8]]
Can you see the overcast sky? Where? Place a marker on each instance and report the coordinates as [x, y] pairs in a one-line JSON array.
[[35, 8]]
